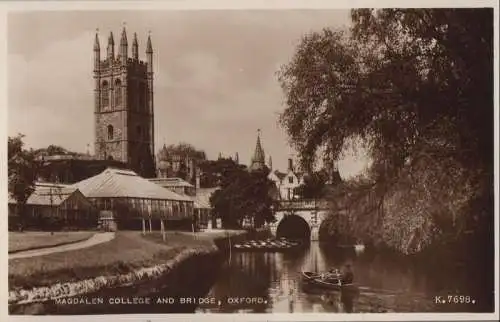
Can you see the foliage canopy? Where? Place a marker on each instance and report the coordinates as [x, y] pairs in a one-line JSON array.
[[415, 86]]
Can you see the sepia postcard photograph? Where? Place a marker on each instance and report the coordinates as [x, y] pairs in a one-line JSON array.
[[219, 161]]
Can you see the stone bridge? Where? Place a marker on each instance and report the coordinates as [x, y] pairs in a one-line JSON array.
[[311, 214]]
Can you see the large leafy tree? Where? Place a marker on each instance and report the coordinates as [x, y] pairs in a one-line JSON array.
[[186, 150], [244, 195], [53, 150], [214, 172], [415, 86], [22, 171], [407, 82], [314, 186]]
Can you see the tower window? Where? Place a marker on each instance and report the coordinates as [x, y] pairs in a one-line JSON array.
[[110, 132], [290, 179], [118, 92], [105, 94]]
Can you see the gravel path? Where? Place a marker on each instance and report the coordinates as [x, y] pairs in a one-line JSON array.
[[94, 240]]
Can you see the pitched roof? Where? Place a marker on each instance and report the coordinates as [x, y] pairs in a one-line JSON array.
[[116, 183], [171, 182], [48, 196], [202, 198]]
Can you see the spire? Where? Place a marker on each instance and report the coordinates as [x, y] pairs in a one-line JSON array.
[[135, 48], [237, 158], [270, 163], [258, 160]]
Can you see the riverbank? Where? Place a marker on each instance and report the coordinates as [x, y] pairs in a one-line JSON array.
[[130, 250], [130, 260]]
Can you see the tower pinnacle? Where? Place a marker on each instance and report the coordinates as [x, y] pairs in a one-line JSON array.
[[111, 46], [149, 46], [135, 48], [124, 47], [97, 47], [123, 40]]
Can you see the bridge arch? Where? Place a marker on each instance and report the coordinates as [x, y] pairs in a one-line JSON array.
[[313, 212], [294, 227]]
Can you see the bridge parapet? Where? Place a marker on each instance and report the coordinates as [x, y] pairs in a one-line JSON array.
[[303, 204]]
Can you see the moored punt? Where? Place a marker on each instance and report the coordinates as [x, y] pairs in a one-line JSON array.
[[268, 245]]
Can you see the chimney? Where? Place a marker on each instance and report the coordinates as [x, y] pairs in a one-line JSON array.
[[290, 164]]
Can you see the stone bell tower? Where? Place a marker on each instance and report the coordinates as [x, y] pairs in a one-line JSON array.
[[124, 111]]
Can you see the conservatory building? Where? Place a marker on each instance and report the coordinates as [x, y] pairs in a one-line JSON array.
[[135, 202]]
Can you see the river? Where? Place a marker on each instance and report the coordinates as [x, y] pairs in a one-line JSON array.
[[272, 281]]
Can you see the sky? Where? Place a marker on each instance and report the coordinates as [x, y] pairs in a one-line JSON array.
[[215, 78]]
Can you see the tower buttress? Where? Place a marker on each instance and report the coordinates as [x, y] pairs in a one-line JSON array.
[[97, 89], [150, 93]]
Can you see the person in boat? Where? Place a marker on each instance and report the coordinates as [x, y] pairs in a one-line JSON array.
[[347, 275]]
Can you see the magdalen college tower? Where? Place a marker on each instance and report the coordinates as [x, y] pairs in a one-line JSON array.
[[124, 111]]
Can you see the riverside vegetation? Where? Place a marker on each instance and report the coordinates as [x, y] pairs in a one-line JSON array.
[[414, 88]]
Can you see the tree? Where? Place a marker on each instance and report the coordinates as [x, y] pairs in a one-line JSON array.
[[413, 85], [313, 186], [213, 172], [22, 170], [186, 150], [244, 196]]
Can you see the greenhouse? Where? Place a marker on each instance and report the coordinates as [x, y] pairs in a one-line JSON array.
[[135, 202]]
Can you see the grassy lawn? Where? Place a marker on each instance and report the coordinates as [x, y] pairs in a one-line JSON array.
[[34, 239], [128, 251]]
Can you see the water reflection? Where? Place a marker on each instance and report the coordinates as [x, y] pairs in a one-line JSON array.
[[274, 278]]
